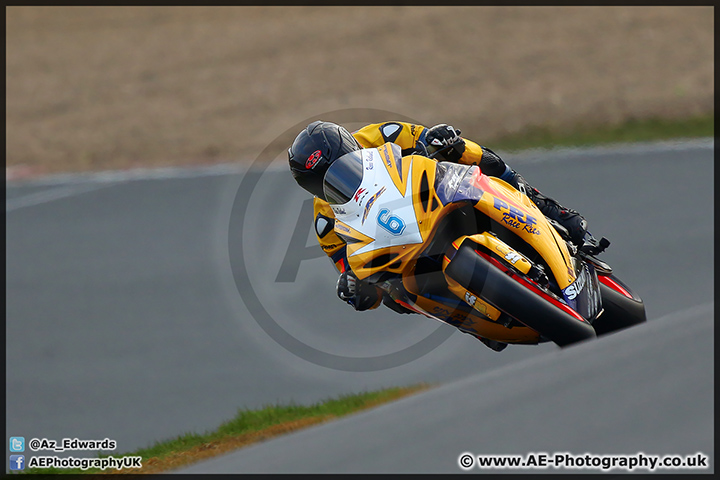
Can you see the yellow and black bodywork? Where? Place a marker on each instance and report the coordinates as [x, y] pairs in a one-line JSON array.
[[392, 226], [406, 136]]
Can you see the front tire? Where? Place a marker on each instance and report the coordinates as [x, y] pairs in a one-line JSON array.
[[485, 280], [620, 311]]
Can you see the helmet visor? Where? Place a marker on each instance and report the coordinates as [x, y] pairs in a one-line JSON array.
[[343, 178]]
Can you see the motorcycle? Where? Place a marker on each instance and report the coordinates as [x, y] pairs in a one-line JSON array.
[[448, 242]]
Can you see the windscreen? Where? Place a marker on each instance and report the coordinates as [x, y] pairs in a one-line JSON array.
[[343, 178]]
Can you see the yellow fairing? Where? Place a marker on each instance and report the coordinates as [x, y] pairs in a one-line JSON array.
[[499, 201], [412, 180], [480, 321], [331, 244], [420, 173], [491, 242], [473, 300], [515, 211]]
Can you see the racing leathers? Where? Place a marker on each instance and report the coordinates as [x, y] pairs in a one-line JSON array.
[[413, 138]]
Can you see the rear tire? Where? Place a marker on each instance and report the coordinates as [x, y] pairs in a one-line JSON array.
[[483, 279], [620, 311]]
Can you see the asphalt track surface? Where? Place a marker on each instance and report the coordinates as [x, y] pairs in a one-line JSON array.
[[128, 319]]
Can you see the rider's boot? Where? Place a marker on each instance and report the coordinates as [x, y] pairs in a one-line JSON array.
[[574, 223], [571, 219]]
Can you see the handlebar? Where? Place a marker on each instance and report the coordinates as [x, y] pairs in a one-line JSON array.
[[421, 149]]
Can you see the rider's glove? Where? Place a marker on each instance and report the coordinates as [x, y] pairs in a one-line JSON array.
[[441, 136], [356, 292]]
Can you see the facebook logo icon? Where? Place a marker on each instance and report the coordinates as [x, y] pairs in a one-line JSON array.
[[17, 462]]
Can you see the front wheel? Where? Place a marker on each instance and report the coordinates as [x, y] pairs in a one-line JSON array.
[[622, 307], [517, 297]]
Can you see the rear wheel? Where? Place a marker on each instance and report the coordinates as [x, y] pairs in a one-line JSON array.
[[522, 301], [621, 310]]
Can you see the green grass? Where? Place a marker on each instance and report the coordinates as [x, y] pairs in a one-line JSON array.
[[631, 131], [247, 427]]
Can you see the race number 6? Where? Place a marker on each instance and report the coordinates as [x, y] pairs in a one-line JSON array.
[[392, 223]]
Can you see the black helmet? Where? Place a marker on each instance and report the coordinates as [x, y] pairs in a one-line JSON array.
[[314, 150]]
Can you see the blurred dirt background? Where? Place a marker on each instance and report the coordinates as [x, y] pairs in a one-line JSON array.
[[95, 88]]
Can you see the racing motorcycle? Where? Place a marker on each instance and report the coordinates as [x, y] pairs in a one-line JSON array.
[[448, 242]]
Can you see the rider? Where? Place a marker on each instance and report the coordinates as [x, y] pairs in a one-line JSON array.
[[321, 143]]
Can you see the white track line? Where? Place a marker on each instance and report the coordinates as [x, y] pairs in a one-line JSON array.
[[114, 176], [639, 148], [45, 196], [531, 155]]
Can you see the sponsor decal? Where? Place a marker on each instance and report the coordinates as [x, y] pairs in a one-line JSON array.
[[338, 210], [453, 181], [512, 257], [332, 246], [450, 317], [369, 204], [439, 311], [470, 299], [362, 192], [391, 223], [385, 154], [313, 159], [515, 217], [573, 290]]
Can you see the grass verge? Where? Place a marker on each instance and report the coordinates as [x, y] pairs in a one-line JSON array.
[[248, 427], [638, 130]]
